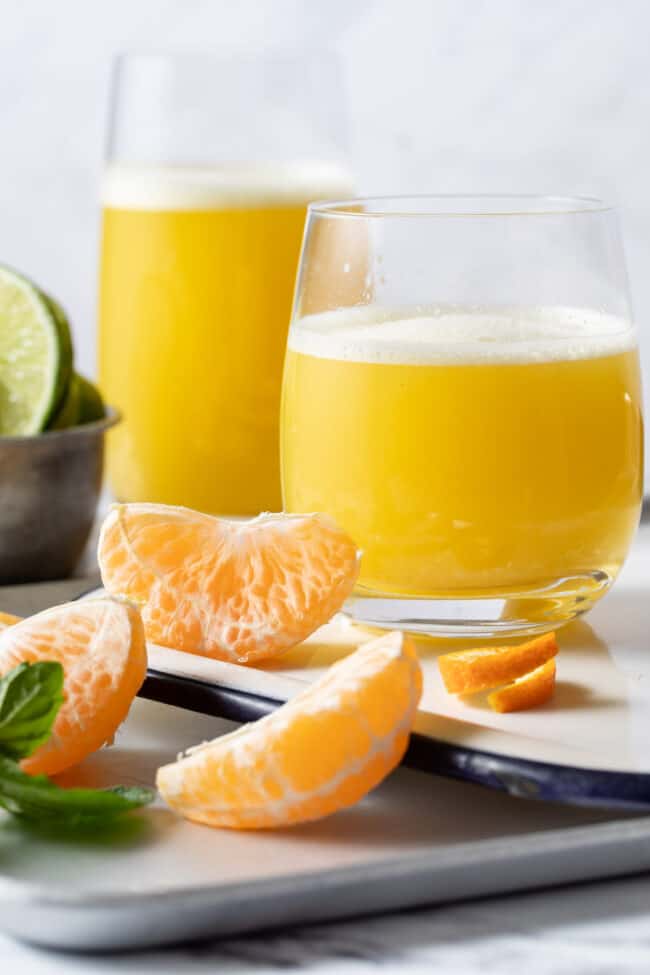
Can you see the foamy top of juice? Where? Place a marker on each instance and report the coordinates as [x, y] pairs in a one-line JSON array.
[[231, 185], [461, 335]]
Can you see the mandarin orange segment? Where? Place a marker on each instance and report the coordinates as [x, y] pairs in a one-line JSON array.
[[526, 692], [320, 752], [468, 671], [237, 591], [8, 619], [100, 645]]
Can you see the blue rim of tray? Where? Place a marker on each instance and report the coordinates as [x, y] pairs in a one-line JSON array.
[[519, 777]]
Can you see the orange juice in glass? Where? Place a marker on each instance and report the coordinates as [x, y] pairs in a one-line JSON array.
[[198, 262], [485, 451]]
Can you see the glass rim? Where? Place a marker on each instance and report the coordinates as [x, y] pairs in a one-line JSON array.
[[476, 205]]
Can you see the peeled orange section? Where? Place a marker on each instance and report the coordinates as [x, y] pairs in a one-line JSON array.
[[320, 752], [468, 671], [100, 645], [528, 691], [237, 591], [8, 619]]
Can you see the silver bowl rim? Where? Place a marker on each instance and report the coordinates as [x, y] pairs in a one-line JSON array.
[[110, 419]]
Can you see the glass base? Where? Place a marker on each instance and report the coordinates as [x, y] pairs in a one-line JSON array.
[[497, 614]]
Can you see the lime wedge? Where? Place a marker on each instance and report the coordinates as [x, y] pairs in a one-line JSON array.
[[35, 356], [92, 405], [82, 404], [68, 414]]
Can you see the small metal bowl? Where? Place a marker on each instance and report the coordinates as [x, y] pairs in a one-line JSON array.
[[49, 488]]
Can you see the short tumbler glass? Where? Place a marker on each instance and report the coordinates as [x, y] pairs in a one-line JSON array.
[[462, 394]]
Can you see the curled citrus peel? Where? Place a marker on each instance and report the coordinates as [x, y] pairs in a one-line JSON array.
[[528, 670], [469, 671], [525, 692]]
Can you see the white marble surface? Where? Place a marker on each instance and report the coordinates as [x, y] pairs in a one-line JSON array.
[[443, 96], [595, 929]]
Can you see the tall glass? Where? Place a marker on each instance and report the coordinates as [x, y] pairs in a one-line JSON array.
[[210, 165], [462, 393]]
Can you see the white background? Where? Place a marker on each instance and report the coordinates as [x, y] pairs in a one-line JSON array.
[[443, 95]]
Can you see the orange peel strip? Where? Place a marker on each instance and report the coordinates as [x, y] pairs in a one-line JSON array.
[[469, 671], [526, 692]]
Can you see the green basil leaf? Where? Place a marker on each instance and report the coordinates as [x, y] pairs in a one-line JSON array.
[[30, 698], [37, 798]]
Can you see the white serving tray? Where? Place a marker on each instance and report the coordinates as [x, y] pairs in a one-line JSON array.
[[417, 839]]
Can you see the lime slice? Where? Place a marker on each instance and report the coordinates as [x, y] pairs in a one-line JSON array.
[[35, 356], [65, 344], [92, 405], [69, 413]]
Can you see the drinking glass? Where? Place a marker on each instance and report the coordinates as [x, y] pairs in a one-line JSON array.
[[210, 165], [462, 394]]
